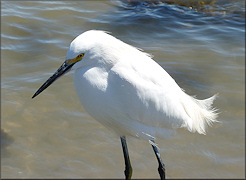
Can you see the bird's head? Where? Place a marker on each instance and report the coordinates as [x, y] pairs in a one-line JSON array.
[[75, 56], [91, 48]]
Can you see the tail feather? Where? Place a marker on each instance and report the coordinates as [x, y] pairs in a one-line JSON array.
[[201, 113]]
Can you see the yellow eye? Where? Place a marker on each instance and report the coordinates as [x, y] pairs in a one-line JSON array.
[[80, 55]]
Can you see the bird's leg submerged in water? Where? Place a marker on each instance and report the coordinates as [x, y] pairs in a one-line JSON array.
[[161, 168], [128, 167]]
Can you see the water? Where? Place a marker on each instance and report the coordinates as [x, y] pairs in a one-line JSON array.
[[52, 136]]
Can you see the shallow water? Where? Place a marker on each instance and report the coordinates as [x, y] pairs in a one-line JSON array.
[[52, 136]]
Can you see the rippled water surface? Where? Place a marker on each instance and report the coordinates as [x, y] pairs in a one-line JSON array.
[[201, 46]]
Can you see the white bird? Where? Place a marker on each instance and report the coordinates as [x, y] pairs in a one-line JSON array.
[[125, 90]]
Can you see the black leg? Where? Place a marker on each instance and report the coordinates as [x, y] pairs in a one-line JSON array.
[[161, 168], [128, 167]]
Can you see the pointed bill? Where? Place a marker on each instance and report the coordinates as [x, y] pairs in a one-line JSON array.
[[65, 67]]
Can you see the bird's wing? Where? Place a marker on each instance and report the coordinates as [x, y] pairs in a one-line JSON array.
[[145, 93]]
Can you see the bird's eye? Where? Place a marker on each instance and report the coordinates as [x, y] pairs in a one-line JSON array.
[[81, 55]]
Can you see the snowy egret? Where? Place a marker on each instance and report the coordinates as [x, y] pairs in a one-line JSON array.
[[124, 89]]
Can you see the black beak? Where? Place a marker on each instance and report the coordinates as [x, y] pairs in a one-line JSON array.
[[62, 70]]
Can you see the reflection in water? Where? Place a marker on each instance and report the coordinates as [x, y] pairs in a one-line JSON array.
[[213, 7]]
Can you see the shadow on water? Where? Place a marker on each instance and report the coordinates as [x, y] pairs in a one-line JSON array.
[[6, 140]]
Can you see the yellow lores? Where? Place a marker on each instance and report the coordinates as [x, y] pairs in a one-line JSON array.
[[77, 59]]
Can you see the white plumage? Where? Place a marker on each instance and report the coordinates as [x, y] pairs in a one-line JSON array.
[[128, 92]]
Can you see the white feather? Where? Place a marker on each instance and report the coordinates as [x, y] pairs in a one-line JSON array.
[[128, 92]]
